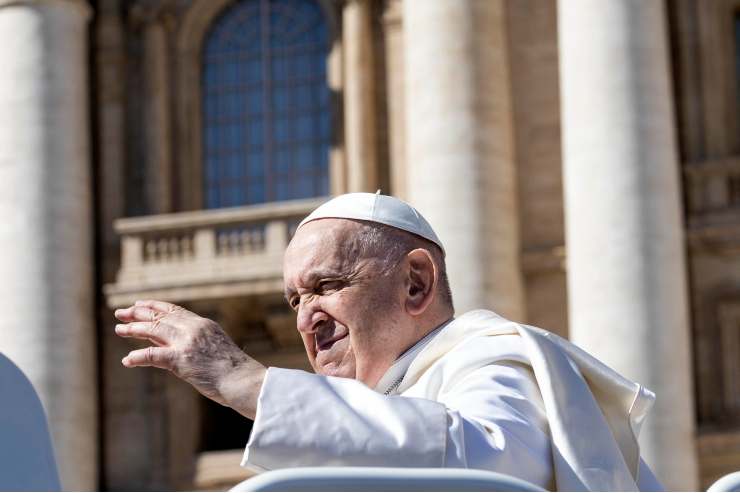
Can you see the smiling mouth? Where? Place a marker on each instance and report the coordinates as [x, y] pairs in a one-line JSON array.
[[323, 345]]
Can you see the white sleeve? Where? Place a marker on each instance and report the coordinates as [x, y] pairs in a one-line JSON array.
[[497, 422], [310, 420], [493, 419]]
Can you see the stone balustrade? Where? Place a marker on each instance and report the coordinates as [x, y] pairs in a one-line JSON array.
[[205, 254]]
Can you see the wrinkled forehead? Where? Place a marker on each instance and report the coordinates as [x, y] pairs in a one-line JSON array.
[[319, 244]]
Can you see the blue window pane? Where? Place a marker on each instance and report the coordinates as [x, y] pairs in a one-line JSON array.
[[255, 103], [304, 127], [256, 165], [304, 159], [266, 106], [255, 134], [282, 191], [324, 129], [281, 132], [280, 99]]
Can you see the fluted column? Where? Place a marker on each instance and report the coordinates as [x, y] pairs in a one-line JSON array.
[[459, 145], [626, 265], [359, 97], [46, 261]]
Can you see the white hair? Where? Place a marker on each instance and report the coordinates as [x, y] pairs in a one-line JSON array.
[[390, 245]]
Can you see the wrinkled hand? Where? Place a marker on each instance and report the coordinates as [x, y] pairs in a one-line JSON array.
[[196, 350]]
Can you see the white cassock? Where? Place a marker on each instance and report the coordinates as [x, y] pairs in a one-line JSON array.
[[479, 392]]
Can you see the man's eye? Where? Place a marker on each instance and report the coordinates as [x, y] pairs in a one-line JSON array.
[[329, 285], [294, 302]]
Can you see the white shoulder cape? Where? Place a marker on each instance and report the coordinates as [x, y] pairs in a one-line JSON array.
[[594, 414]]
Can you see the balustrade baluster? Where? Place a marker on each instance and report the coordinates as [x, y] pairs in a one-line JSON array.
[[162, 250], [276, 237], [223, 244], [235, 246], [259, 237], [132, 252], [246, 241], [205, 245], [186, 246], [151, 251], [174, 249]]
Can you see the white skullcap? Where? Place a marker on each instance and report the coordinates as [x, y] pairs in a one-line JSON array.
[[376, 208]]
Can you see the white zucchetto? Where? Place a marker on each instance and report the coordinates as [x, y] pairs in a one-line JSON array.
[[376, 208]]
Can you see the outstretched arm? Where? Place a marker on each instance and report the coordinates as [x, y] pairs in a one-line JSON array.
[[493, 420], [196, 350]]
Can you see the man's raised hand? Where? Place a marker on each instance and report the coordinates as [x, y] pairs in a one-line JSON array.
[[195, 349]]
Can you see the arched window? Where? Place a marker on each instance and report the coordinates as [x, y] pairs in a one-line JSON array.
[[267, 114]]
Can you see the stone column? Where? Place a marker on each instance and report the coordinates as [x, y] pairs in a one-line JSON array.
[[46, 261], [158, 117], [459, 146], [393, 31], [626, 265], [359, 97]]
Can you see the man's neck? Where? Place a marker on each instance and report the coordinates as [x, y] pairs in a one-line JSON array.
[[391, 379], [421, 334], [433, 319]]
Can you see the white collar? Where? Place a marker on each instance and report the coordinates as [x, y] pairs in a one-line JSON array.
[[392, 378]]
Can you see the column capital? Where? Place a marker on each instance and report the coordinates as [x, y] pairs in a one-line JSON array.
[[81, 5]]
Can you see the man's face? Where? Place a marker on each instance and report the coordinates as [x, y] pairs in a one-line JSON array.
[[349, 312]]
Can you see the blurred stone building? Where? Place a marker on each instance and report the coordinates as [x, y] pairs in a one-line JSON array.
[[579, 159]]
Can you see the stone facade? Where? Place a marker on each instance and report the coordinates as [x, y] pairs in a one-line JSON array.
[[514, 126]]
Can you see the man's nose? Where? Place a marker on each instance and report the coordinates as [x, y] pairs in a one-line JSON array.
[[310, 316]]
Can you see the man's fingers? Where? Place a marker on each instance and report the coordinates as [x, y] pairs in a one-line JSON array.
[[158, 306], [143, 330], [137, 314], [152, 356]]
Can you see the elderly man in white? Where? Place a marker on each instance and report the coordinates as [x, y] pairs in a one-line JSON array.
[[398, 380]]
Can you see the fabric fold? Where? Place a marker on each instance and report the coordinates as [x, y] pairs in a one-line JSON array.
[[594, 413]]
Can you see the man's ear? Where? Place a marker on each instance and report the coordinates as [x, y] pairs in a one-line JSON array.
[[421, 281]]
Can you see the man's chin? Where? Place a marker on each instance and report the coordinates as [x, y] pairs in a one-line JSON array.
[[333, 370]]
